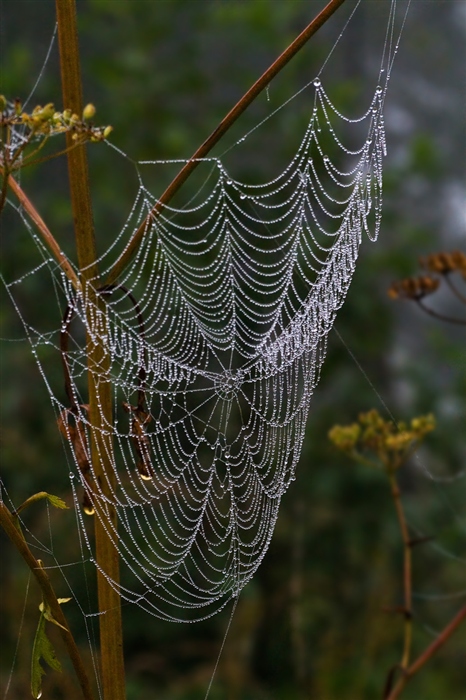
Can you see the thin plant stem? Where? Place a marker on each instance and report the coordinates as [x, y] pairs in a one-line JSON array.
[[44, 159], [45, 233], [4, 190], [441, 317], [27, 158], [21, 149], [427, 654], [454, 289], [9, 524], [99, 383], [407, 570], [260, 85]]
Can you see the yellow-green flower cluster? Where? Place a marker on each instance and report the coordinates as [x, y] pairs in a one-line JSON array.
[[376, 441], [46, 121]]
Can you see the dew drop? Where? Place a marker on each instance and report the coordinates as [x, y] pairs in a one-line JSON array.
[[317, 82]]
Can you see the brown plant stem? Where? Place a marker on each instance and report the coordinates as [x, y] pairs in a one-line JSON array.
[[8, 523], [427, 654], [441, 317], [407, 569], [453, 288], [220, 130], [4, 190], [99, 386], [45, 233]]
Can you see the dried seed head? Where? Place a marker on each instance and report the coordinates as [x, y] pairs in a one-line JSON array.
[[445, 262], [413, 287]]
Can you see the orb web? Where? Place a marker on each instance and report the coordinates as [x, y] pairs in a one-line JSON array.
[[214, 336]]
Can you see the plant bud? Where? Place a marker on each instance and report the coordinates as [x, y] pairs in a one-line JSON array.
[[107, 131], [88, 111], [48, 111]]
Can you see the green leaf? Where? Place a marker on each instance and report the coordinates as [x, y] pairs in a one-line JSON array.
[[47, 613], [56, 501], [42, 649]]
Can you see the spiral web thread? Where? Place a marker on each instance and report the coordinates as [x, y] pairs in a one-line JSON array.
[[215, 338]]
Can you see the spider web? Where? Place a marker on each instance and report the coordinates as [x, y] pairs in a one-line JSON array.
[[215, 336]]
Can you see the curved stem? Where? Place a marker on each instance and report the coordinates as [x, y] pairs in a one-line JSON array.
[[20, 150], [454, 288], [427, 654], [46, 235], [260, 85], [9, 524], [441, 317], [55, 154]]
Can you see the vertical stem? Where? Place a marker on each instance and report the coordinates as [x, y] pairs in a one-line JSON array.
[[100, 404], [407, 570]]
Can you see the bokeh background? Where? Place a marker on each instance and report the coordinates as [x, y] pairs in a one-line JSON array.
[[310, 625]]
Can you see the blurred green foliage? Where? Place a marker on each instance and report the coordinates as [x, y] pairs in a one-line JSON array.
[[310, 625]]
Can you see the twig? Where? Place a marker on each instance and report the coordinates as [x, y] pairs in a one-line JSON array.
[[14, 533], [427, 654], [436, 314], [47, 236], [4, 190], [407, 569], [454, 288], [260, 85]]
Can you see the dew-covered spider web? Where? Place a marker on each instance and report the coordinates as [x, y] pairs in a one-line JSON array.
[[214, 337]]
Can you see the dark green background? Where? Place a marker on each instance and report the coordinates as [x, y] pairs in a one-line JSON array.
[[310, 625]]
